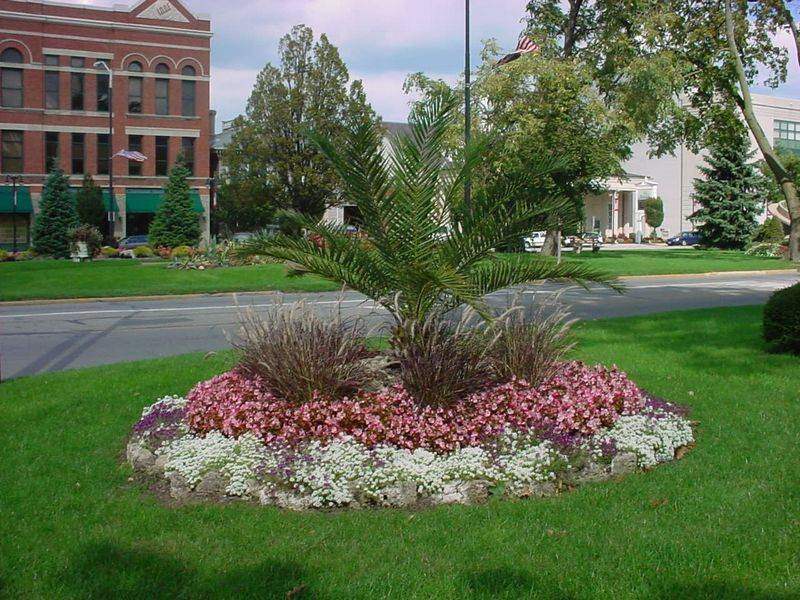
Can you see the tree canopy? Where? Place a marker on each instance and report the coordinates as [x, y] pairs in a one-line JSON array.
[[270, 160]]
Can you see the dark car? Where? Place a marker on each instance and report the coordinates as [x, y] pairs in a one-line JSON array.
[[134, 241], [687, 238]]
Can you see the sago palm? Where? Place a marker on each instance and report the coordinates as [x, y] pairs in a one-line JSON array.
[[407, 197]]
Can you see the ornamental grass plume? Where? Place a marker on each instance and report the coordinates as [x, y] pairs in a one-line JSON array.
[[297, 356]]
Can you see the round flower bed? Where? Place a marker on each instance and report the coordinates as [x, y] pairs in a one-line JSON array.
[[229, 438]]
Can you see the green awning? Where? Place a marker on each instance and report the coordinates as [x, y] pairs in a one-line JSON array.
[[148, 201], [24, 204], [110, 206]]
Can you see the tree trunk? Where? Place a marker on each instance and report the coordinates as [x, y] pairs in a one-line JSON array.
[[550, 246], [745, 103]]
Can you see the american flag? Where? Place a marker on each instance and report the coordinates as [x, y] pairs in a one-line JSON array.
[[525, 46], [131, 155]]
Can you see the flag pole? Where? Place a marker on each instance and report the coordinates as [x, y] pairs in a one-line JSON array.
[[467, 109]]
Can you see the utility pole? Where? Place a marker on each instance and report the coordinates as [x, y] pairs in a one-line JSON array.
[[101, 64], [14, 180], [467, 108]]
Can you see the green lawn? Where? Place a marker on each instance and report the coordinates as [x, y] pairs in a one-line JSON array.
[[667, 262], [722, 523], [50, 279]]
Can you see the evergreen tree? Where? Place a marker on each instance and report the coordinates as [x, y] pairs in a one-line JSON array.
[[56, 217], [729, 192], [175, 223], [89, 204]]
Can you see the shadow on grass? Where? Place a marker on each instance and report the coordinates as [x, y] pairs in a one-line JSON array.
[[107, 570], [506, 582]]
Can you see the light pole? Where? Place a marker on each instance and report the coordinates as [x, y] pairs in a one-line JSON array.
[[101, 64], [467, 106], [14, 180]]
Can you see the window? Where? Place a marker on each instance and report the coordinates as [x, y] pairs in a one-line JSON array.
[[76, 90], [102, 154], [52, 89], [51, 150], [134, 145], [11, 79], [12, 156], [51, 60], [187, 153], [78, 153], [188, 93], [787, 135], [102, 93], [162, 156], [77, 62], [135, 85], [162, 91]]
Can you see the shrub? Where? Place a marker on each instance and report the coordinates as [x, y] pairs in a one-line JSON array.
[[654, 213], [782, 320], [89, 203], [87, 234], [143, 252], [3, 255], [299, 356], [175, 223], [441, 364], [770, 232], [109, 252], [765, 250], [56, 217], [183, 252], [530, 348]]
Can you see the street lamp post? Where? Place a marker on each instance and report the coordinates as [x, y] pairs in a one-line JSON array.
[[101, 64], [14, 180]]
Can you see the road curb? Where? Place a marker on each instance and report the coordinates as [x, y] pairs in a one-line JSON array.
[[115, 299]]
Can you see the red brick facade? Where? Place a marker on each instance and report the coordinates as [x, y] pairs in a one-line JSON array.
[[171, 45]]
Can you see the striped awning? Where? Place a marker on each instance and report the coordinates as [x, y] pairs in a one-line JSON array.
[[148, 201], [24, 204]]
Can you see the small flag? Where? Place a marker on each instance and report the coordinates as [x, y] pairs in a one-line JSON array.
[[131, 155], [524, 46]]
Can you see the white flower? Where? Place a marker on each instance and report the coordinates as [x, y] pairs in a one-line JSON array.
[[652, 439]]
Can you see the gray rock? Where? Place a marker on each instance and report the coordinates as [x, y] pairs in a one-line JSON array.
[[401, 495], [475, 492], [211, 486], [624, 464], [266, 496], [591, 472], [179, 488], [292, 500], [536, 490], [140, 458], [160, 464]]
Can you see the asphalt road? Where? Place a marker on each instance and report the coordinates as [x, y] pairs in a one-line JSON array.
[[46, 337]]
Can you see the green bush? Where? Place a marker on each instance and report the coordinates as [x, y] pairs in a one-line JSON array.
[[3, 255], [771, 231], [182, 252], [109, 252], [143, 252], [87, 234], [782, 320]]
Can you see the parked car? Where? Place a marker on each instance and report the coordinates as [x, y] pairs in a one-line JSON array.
[[134, 241], [686, 238], [535, 241]]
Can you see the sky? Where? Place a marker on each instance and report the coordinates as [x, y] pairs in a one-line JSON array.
[[381, 41]]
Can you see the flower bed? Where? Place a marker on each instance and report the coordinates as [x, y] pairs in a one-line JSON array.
[[231, 439]]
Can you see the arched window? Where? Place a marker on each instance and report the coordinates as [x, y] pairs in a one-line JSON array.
[[188, 92], [11, 55], [11, 79], [162, 90], [135, 86]]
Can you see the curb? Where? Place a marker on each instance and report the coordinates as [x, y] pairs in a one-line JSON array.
[[156, 298]]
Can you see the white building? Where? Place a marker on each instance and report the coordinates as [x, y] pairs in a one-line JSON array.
[[673, 176]]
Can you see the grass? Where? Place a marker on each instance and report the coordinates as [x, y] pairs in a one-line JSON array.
[[52, 279], [668, 262], [722, 523], [49, 279]]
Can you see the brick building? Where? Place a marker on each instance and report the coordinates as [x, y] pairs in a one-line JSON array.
[[54, 105]]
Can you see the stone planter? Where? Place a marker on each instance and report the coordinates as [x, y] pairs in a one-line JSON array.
[[81, 253]]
